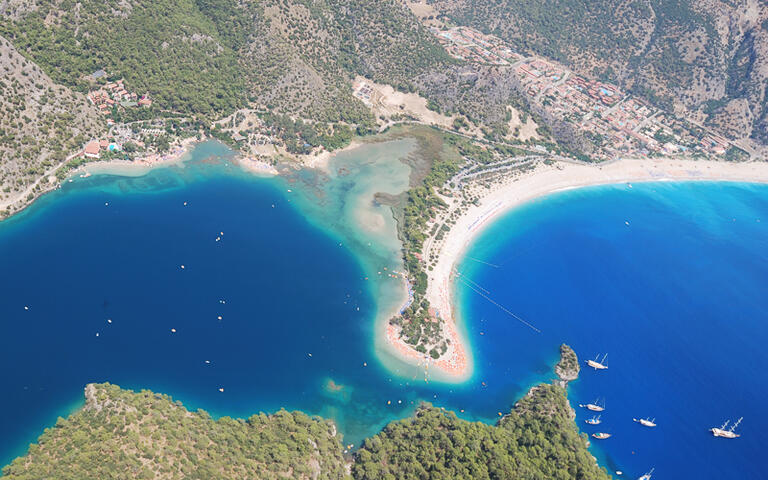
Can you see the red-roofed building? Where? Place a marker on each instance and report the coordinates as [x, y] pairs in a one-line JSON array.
[[92, 149]]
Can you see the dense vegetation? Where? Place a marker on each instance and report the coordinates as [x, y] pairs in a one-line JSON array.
[[167, 47], [537, 440], [568, 366], [214, 56], [420, 206], [122, 434]]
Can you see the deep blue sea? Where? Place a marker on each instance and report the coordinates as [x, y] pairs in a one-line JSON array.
[[671, 281], [297, 312], [677, 299]]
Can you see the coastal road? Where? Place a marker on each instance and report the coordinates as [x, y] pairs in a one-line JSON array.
[[30, 189]]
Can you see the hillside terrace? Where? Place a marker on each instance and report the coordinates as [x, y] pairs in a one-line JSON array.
[[115, 93], [468, 44]]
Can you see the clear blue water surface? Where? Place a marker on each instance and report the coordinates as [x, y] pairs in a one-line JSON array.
[[296, 311], [677, 299], [671, 281]]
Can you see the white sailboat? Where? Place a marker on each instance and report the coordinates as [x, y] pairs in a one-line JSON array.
[[595, 420], [595, 407], [645, 422], [729, 433], [598, 365], [647, 476]]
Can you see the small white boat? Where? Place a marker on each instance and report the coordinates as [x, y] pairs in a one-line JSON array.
[[729, 433], [601, 435], [595, 420], [647, 476], [598, 365], [645, 422]]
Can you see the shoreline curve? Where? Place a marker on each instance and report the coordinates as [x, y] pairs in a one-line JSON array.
[[545, 180]]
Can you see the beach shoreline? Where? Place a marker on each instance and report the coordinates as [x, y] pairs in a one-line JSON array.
[[140, 166], [545, 180]]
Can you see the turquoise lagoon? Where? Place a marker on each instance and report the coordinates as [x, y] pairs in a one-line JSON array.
[[677, 299]]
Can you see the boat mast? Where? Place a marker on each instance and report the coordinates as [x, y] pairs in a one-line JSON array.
[[733, 427]]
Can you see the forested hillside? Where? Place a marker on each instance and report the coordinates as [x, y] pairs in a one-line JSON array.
[[144, 435], [168, 47], [125, 434], [41, 122], [705, 58], [537, 440], [301, 55], [213, 56]]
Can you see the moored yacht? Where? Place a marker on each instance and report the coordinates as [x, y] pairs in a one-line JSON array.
[[595, 420], [729, 433], [645, 422], [601, 435], [595, 407], [598, 365]]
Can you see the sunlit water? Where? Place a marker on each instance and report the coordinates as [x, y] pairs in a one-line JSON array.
[[677, 299], [279, 260], [670, 280]]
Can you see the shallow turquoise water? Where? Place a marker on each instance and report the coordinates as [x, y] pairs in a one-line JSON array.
[[289, 277], [297, 278]]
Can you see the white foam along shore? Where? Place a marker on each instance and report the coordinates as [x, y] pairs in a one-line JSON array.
[[559, 176]]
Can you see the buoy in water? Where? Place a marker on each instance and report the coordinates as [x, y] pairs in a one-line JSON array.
[[221, 389], [173, 330]]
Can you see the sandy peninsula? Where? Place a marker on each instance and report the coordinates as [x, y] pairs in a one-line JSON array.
[[543, 180]]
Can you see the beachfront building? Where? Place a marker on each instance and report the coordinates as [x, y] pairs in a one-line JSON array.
[[92, 149]]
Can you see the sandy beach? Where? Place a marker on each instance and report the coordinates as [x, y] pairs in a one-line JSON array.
[[543, 180], [320, 161], [139, 166]]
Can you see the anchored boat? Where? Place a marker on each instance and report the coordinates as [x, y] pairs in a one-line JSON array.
[[729, 433], [598, 365], [595, 420], [595, 407], [647, 476], [645, 422], [601, 435]]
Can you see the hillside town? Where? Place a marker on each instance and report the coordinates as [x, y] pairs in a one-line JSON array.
[[619, 124], [115, 95]]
